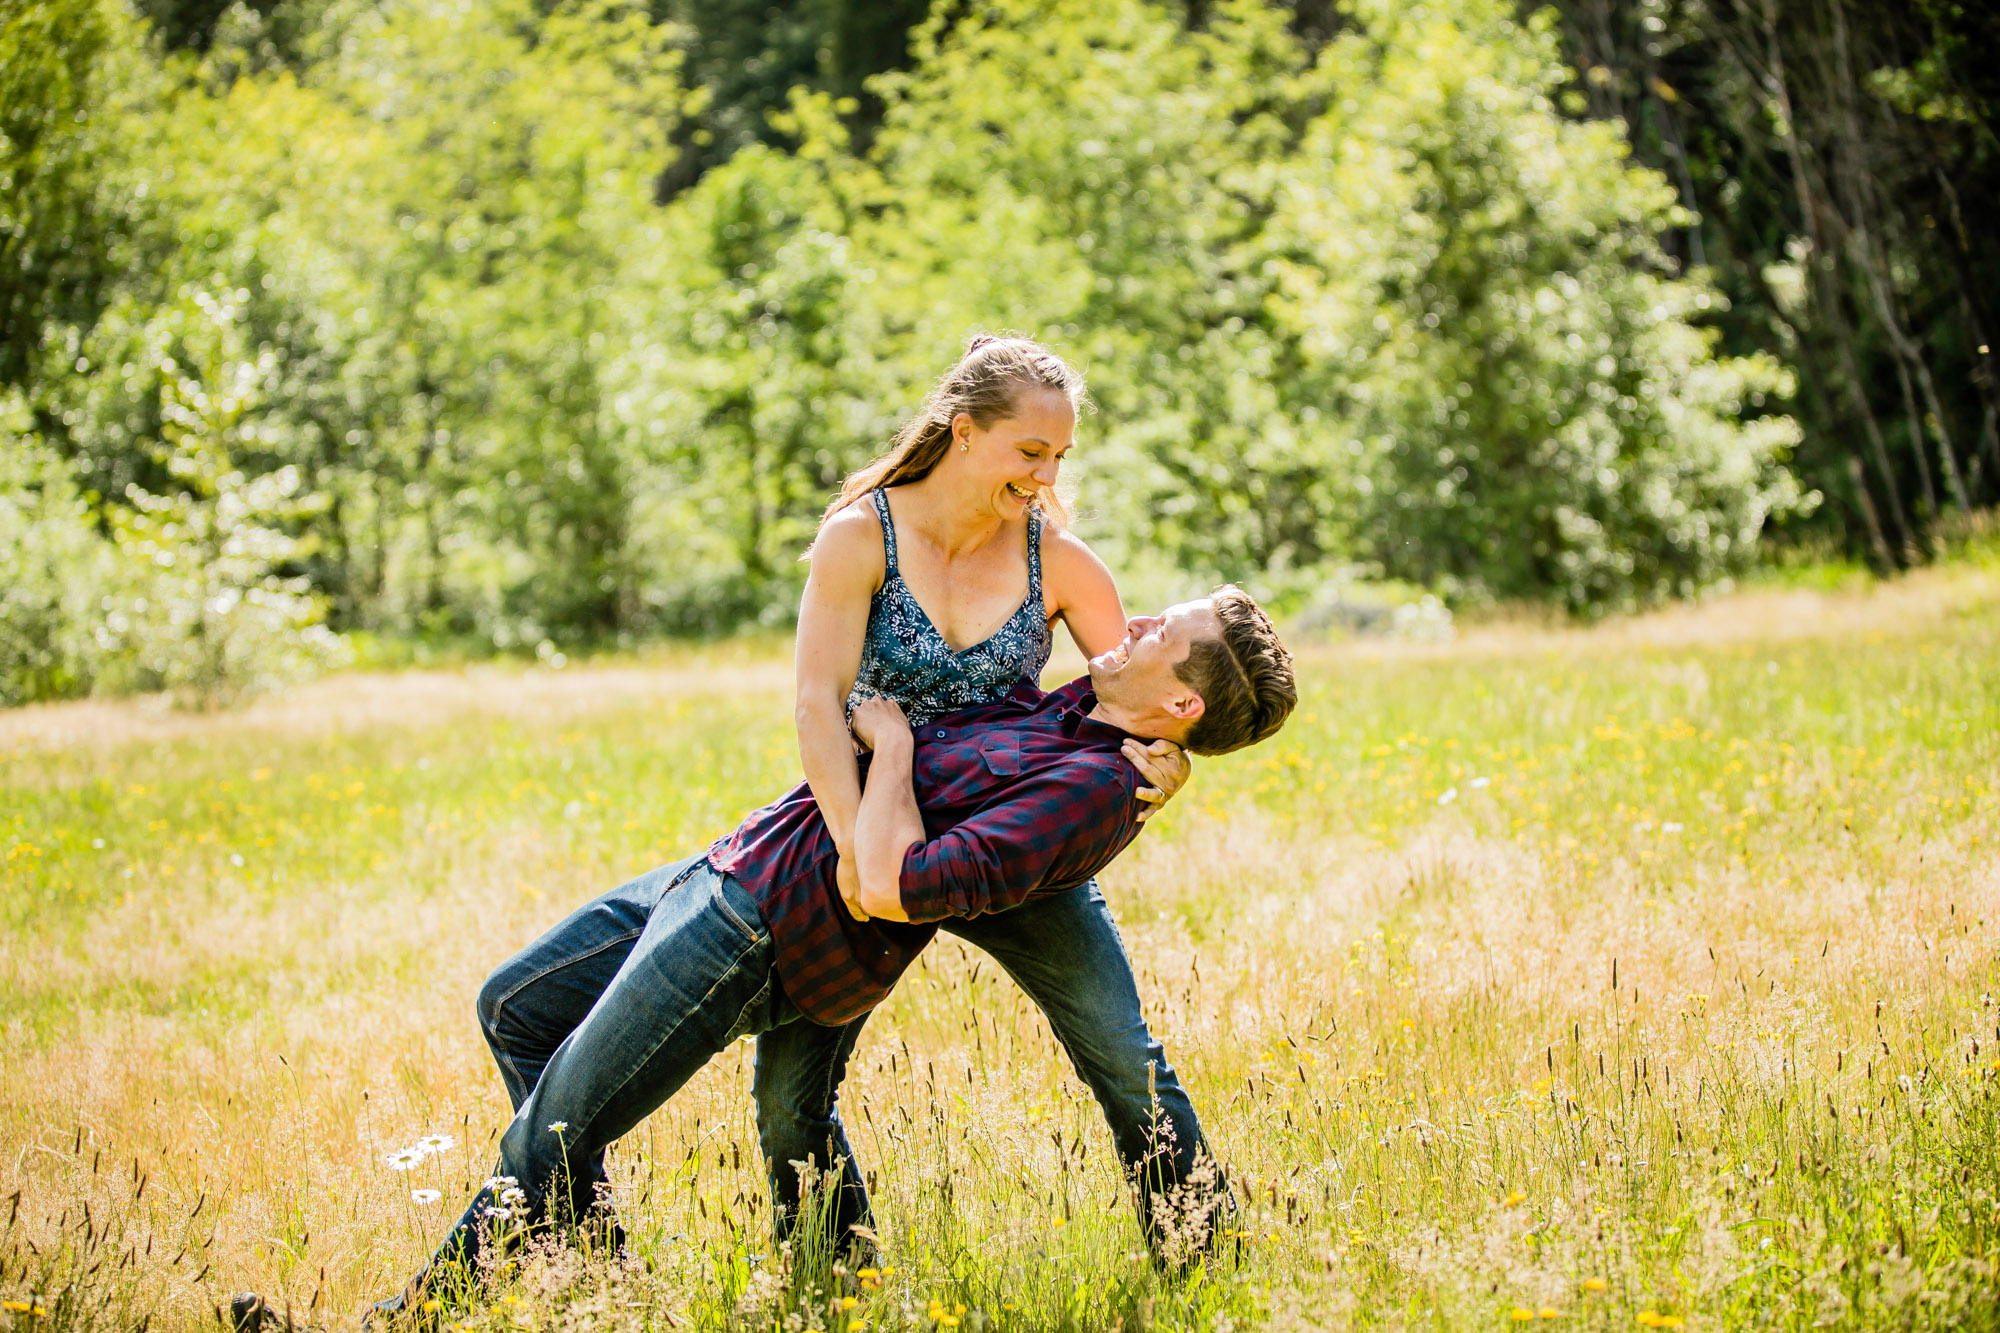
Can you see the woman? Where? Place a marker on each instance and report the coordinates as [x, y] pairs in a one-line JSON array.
[[942, 566], [936, 577]]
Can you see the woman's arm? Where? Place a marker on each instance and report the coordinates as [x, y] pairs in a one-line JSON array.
[[889, 823], [1080, 589], [847, 568]]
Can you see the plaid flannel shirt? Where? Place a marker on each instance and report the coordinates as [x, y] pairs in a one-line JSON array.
[[1021, 796]]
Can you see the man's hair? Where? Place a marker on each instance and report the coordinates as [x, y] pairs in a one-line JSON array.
[[1244, 677]]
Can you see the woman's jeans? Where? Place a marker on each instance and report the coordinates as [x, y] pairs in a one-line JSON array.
[[601, 1020], [1065, 952]]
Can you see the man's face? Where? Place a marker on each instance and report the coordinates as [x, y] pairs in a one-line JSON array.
[[1138, 675]]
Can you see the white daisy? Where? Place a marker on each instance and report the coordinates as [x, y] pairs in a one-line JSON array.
[[425, 1196]]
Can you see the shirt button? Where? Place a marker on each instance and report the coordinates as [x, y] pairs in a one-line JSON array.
[[940, 735]]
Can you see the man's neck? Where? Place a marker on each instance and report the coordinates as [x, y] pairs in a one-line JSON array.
[[1125, 719]]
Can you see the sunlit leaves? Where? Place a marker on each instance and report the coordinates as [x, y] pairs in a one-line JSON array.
[[1377, 308]]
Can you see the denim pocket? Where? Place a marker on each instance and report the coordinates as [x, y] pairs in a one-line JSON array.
[[736, 904]]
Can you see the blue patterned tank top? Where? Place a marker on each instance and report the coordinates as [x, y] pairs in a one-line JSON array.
[[905, 657]]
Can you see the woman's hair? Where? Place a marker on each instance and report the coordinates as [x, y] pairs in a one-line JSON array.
[[986, 385]]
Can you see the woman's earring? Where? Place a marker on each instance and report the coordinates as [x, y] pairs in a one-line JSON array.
[[961, 446]]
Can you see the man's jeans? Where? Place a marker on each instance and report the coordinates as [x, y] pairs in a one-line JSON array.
[[602, 1019], [1065, 952]]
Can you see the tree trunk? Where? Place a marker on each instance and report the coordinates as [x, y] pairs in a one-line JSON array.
[[1868, 515], [1874, 267], [1818, 269]]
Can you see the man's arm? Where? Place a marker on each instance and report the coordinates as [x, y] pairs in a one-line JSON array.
[[888, 823], [1054, 828]]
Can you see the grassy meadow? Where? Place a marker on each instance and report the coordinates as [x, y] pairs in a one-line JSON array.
[[1639, 976]]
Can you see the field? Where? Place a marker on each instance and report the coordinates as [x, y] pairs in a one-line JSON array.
[[1641, 976]]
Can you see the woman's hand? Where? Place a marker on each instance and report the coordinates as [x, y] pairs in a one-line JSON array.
[[878, 721], [1163, 764], [848, 880], [878, 724]]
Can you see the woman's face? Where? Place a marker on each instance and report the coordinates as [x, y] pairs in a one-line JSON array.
[[1016, 458]]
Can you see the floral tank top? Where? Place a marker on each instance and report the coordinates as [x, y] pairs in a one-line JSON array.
[[905, 657]]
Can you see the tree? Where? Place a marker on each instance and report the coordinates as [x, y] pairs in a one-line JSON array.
[[1836, 160]]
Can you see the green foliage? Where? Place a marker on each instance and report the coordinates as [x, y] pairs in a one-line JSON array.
[[1835, 159], [753, 385], [1530, 400], [1102, 180], [188, 593], [59, 570], [1366, 308], [1402, 310], [223, 618], [67, 73]]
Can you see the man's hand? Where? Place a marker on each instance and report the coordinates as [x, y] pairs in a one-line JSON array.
[[877, 721], [1163, 764], [849, 881]]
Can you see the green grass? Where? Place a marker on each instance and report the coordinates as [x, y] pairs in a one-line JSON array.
[[1608, 979]]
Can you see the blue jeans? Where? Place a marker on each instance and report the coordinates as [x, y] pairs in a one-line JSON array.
[[603, 1018], [1065, 952]]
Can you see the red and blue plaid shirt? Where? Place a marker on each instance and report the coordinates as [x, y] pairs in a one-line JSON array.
[[1021, 796]]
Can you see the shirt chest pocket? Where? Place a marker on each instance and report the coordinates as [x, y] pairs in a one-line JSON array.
[[970, 770], [1000, 753]]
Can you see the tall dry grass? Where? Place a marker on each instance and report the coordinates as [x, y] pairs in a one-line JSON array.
[[1644, 975]]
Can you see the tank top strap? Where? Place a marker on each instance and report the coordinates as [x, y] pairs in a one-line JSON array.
[[1035, 558], [881, 498]]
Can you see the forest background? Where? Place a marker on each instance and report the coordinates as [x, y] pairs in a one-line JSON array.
[[525, 325]]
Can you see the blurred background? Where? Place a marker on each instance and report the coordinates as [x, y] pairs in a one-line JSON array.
[[397, 329]]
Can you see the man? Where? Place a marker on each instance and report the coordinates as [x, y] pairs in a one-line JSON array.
[[600, 1021], [997, 880]]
